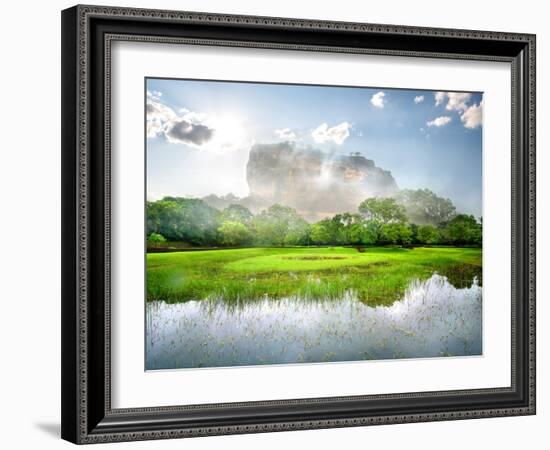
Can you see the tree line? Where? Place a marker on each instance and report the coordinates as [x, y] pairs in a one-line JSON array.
[[412, 217]]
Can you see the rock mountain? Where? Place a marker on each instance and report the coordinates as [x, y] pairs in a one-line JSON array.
[[313, 182]]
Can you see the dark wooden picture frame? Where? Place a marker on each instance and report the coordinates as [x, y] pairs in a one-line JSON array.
[[87, 34]]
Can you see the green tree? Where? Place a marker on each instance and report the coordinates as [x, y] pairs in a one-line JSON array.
[[280, 225], [427, 234], [363, 232], [405, 234], [183, 219], [162, 218], [155, 238], [298, 233], [237, 213], [234, 234], [320, 233], [372, 232], [464, 229], [385, 210], [356, 234], [423, 207], [396, 233], [345, 228], [414, 233]]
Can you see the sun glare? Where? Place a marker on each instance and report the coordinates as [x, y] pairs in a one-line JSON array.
[[230, 132]]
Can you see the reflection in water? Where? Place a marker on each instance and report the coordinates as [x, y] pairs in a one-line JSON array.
[[433, 319]]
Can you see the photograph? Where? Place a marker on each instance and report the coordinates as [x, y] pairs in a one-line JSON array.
[[291, 223], [279, 220]]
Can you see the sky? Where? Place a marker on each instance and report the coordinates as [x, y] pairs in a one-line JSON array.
[[199, 134]]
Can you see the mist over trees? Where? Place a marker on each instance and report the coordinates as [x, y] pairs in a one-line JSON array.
[[423, 207], [412, 217], [280, 225], [385, 210], [184, 219]]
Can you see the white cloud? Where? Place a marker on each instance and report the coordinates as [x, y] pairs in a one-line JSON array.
[[439, 122], [439, 98], [473, 116], [470, 115], [185, 128], [338, 133], [419, 99], [180, 131], [192, 116], [377, 100], [286, 134], [457, 101], [154, 94], [158, 115]]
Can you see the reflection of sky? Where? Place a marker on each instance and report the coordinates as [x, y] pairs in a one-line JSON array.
[[446, 159], [433, 319]]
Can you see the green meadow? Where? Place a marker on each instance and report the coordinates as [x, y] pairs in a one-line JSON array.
[[374, 275]]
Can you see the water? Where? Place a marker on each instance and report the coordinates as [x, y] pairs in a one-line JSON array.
[[433, 319]]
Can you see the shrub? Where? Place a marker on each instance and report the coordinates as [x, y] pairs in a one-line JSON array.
[[155, 238]]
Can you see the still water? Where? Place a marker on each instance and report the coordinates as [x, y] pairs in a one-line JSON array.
[[433, 319]]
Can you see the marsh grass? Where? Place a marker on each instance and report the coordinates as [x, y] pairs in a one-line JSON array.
[[377, 276], [432, 319]]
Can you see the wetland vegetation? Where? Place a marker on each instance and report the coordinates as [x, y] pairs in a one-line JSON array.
[[432, 319], [375, 276], [232, 288]]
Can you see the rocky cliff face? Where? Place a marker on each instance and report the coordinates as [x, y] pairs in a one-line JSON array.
[[314, 183]]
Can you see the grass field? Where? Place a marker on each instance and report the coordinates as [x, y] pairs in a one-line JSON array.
[[377, 276]]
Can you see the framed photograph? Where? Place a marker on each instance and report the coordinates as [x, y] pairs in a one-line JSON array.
[[279, 224]]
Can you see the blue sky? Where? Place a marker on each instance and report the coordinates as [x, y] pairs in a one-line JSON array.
[[199, 134]]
